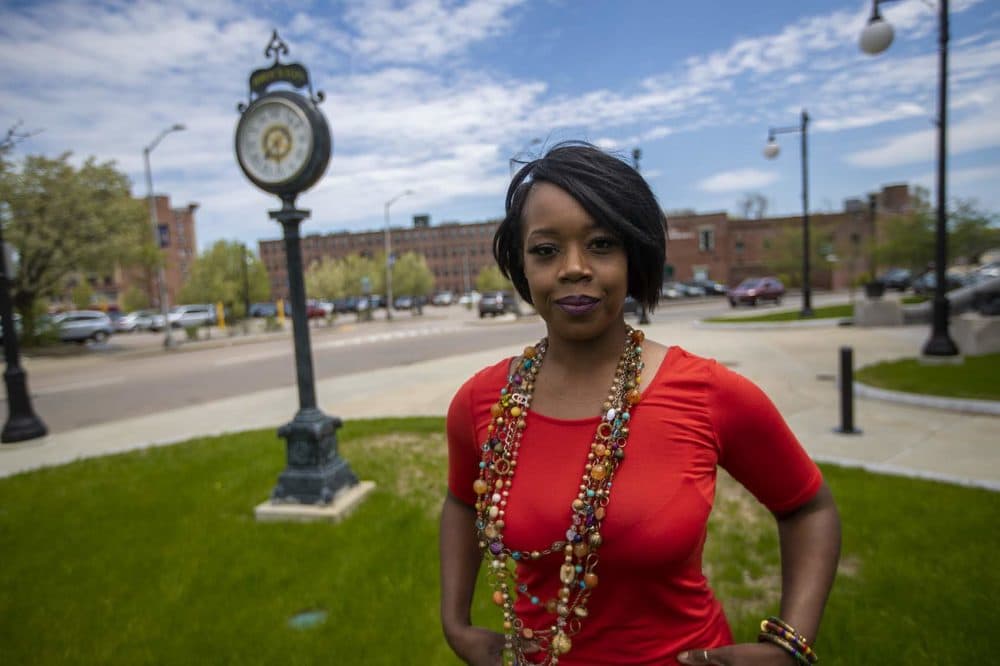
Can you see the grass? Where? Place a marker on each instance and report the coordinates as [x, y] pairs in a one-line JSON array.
[[153, 557], [976, 377], [824, 312]]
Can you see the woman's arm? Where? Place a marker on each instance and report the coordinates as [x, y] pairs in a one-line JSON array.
[[460, 560], [810, 550]]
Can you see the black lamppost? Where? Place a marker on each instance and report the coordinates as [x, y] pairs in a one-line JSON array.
[[771, 151], [168, 340], [875, 38], [22, 422], [643, 314]]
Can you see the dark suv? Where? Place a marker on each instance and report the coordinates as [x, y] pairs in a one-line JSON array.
[[495, 303]]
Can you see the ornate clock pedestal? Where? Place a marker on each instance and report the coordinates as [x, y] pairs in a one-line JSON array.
[[316, 474]]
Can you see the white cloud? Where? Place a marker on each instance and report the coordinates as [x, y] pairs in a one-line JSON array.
[[737, 180], [970, 135], [424, 31], [868, 117]]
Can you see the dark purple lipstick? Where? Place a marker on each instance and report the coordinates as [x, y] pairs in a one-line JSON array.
[[578, 305]]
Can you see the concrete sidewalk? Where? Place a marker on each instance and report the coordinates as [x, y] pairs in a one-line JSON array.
[[796, 366]]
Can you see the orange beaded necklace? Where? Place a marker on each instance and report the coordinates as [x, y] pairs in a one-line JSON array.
[[587, 510]]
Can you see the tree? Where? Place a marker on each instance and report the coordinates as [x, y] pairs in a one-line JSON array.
[[752, 206], [217, 275], [135, 299], [326, 279], [412, 277], [63, 220], [82, 295], [491, 279], [784, 255], [909, 241], [357, 268], [972, 232]]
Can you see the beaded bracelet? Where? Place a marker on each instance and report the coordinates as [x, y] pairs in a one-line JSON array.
[[777, 631], [764, 637], [785, 631]]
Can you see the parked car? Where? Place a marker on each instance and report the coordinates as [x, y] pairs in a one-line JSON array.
[[403, 303], [187, 316], [443, 298], [263, 310], [925, 283], [692, 289], [754, 290], [896, 278], [672, 290], [711, 287], [469, 298], [495, 303], [82, 325], [139, 320], [314, 310]]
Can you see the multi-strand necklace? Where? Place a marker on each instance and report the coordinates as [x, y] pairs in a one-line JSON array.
[[586, 511]]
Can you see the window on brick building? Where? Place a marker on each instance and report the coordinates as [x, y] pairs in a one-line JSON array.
[[706, 239], [739, 246]]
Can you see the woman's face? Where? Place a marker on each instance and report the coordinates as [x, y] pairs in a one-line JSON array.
[[577, 271]]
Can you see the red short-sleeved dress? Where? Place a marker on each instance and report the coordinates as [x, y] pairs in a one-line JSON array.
[[652, 600]]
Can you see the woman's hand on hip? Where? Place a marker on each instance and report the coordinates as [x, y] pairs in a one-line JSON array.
[[741, 654]]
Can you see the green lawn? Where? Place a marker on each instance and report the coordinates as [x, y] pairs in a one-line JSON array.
[[153, 557], [825, 312], [976, 377]]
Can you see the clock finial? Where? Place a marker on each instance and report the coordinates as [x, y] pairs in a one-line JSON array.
[[276, 47]]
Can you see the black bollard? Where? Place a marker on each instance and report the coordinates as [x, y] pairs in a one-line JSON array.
[[847, 393]]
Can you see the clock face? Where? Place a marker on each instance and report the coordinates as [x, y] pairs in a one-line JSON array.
[[275, 141]]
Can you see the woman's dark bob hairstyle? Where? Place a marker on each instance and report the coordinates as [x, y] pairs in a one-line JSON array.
[[612, 192]]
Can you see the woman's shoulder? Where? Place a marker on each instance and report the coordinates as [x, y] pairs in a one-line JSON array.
[[678, 362], [489, 379]]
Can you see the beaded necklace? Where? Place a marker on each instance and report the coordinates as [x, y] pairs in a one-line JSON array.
[[587, 510]]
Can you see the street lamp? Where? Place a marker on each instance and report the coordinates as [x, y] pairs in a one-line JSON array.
[[168, 341], [516, 156], [771, 151], [22, 422], [388, 254], [875, 38]]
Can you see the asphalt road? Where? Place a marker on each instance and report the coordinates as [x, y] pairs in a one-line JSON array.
[[131, 375]]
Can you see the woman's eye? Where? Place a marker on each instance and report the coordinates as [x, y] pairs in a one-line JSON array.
[[542, 250], [604, 243]]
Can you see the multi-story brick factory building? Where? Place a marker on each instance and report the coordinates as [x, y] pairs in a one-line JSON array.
[[699, 245]]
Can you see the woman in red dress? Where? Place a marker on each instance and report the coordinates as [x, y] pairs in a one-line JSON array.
[[582, 471]]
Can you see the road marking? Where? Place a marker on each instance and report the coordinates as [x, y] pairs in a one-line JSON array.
[[76, 386], [343, 342]]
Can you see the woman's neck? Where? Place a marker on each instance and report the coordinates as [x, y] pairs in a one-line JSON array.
[[593, 352]]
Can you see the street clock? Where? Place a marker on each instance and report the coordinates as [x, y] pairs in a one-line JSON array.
[[283, 142]]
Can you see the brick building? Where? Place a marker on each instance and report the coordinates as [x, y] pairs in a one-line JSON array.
[[705, 245], [178, 244]]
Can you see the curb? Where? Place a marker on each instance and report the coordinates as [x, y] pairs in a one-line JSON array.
[[758, 325], [908, 472], [972, 406]]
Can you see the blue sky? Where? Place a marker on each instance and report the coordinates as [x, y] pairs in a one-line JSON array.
[[437, 95]]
